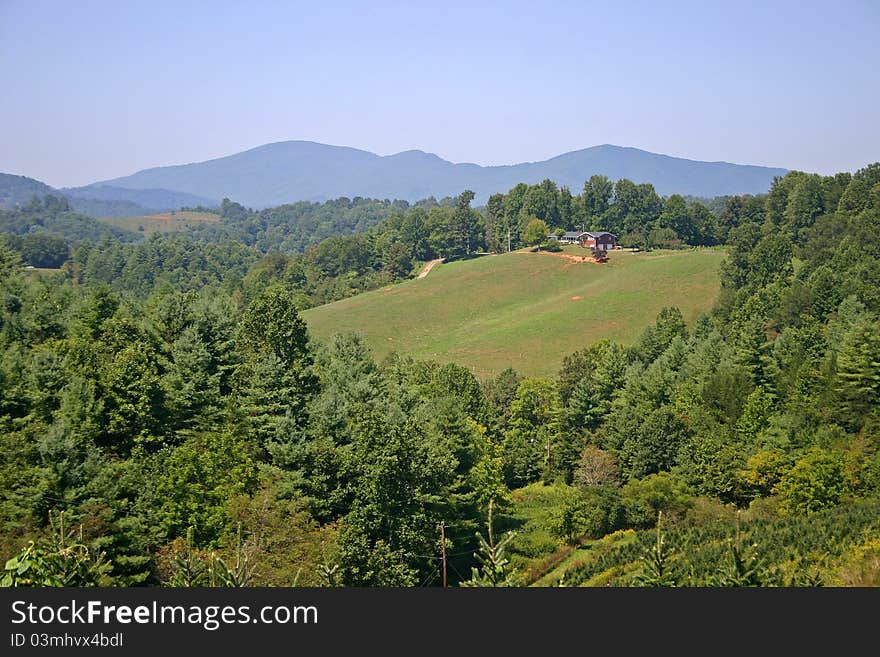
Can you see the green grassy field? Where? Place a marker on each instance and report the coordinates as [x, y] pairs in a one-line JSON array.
[[162, 223], [523, 310]]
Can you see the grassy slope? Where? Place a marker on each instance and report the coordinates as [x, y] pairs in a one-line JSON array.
[[163, 223], [523, 310]]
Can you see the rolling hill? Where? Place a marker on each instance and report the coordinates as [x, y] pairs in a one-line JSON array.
[[131, 202], [523, 310], [99, 201], [19, 190], [289, 171]]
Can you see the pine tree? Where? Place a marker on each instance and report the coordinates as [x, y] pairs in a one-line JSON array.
[[277, 381], [756, 412], [191, 568], [192, 387], [858, 370], [494, 570], [743, 568], [655, 563]]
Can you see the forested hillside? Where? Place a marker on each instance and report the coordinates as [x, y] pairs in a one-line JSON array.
[[19, 190], [95, 200], [43, 231], [165, 417], [109, 201]]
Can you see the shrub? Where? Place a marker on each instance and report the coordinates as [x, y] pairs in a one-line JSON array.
[[591, 513], [815, 482], [663, 491]]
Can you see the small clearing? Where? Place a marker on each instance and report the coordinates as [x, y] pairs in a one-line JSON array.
[[167, 222]]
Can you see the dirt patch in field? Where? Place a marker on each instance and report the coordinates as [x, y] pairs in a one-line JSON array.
[[429, 266], [577, 297], [564, 256]]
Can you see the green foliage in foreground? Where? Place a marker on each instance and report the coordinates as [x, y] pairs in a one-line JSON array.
[[61, 559]]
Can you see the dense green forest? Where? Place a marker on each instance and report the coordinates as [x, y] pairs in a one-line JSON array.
[[166, 419], [52, 216]]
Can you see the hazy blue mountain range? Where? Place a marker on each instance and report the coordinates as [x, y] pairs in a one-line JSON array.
[[301, 170], [97, 200], [160, 200], [19, 190]]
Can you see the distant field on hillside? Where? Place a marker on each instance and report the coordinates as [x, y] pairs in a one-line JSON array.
[[41, 270], [167, 222], [524, 310]]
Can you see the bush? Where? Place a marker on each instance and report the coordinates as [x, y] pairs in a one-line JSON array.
[[763, 508], [591, 513], [707, 510], [61, 560], [663, 491], [550, 245], [860, 566], [815, 482]]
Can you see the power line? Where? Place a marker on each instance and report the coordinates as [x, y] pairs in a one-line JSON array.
[[443, 547], [434, 556], [460, 577], [430, 578]]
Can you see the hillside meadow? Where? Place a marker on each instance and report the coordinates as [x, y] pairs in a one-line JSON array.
[[522, 309], [167, 222]]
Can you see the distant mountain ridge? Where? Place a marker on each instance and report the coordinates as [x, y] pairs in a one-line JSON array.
[[161, 199], [284, 172], [98, 201], [19, 190]]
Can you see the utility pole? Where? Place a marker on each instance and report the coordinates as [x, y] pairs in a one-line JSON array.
[[547, 466], [443, 548]]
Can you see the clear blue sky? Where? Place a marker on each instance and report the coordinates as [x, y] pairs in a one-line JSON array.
[[95, 90]]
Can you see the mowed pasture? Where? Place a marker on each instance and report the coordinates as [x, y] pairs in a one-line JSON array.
[[523, 310], [167, 222]]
